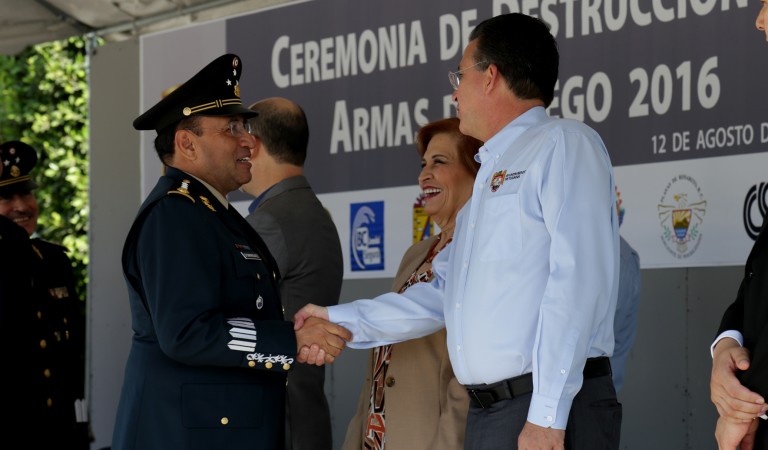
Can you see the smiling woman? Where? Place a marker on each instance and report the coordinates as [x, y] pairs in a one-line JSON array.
[[420, 368]]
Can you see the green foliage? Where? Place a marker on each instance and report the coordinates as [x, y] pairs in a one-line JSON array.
[[44, 102]]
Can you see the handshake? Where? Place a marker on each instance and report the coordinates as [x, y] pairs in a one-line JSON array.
[[319, 341]]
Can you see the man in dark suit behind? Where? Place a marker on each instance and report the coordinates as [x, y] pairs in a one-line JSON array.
[[739, 383], [301, 236], [210, 348]]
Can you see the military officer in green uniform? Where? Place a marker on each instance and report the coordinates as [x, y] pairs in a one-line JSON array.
[[41, 319], [210, 349]]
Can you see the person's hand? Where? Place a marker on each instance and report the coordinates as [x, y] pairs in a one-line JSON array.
[[534, 437], [732, 435], [734, 402], [320, 341], [309, 310]]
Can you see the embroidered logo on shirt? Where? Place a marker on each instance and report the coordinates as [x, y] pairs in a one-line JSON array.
[[514, 175], [497, 180]]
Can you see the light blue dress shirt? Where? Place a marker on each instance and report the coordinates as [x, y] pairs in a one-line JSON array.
[[530, 281]]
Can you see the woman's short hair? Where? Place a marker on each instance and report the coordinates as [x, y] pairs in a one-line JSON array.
[[467, 145]]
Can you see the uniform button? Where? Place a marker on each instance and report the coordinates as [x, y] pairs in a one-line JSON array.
[[286, 366], [43, 344], [224, 420], [49, 402], [549, 418], [562, 371], [39, 314], [65, 320], [390, 381], [258, 277], [251, 363], [268, 365], [47, 373]]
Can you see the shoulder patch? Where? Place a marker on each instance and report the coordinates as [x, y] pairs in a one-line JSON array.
[[183, 190]]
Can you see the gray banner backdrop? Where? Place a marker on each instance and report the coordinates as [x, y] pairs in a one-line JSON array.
[[660, 80]]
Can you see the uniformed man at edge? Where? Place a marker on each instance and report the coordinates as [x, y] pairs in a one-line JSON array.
[[42, 318]]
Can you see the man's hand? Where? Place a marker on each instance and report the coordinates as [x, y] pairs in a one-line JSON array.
[[320, 341], [534, 437], [309, 310], [731, 435], [734, 402]]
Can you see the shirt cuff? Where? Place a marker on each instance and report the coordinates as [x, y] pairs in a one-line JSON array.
[[733, 334], [549, 412]]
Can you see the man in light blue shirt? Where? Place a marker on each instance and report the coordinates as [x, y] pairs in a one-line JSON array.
[[527, 290]]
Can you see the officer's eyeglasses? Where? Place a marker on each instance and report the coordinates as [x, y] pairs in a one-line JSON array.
[[455, 77], [235, 128]]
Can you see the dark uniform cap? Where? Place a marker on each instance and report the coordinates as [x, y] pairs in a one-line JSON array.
[[213, 91], [16, 161]]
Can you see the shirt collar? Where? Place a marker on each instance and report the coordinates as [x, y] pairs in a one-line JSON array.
[[500, 142]]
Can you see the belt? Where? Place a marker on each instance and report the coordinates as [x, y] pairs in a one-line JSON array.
[[486, 395]]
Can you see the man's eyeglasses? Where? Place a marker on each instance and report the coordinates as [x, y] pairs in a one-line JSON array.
[[235, 128], [455, 77]]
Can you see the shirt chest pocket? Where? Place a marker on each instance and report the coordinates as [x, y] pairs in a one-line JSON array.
[[499, 231]]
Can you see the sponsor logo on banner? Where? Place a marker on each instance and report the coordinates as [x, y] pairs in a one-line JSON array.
[[755, 209], [681, 213], [367, 236], [423, 226], [619, 208]]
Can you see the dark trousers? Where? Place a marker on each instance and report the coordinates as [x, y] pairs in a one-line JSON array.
[[594, 422], [761, 439]]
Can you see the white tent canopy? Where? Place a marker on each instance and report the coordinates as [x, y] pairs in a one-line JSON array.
[[28, 22]]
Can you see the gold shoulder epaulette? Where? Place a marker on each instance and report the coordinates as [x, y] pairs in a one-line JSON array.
[[183, 190]]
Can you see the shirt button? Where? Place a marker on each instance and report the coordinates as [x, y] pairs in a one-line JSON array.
[[562, 371], [458, 305], [458, 348], [549, 418]]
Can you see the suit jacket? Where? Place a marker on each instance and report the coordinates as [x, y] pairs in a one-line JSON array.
[[425, 406], [303, 239], [210, 348], [42, 327], [749, 315]]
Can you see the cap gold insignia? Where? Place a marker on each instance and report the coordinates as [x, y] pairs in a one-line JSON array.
[[183, 190], [15, 171], [237, 90], [207, 203]]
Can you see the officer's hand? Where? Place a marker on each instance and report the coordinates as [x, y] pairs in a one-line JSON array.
[[734, 402], [320, 341], [309, 310]]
